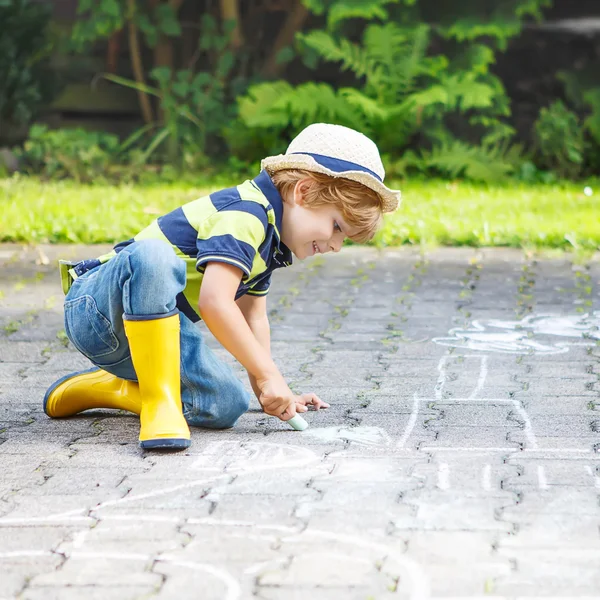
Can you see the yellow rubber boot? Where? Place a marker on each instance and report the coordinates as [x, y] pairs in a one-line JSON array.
[[94, 388], [154, 346]]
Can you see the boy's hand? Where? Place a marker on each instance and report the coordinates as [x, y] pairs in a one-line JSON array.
[[313, 399], [278, 400]]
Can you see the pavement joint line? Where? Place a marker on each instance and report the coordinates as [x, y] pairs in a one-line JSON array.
[[469, 472], [510, 449]]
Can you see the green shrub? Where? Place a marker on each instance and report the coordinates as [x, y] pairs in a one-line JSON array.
[[559, 141], [27, 82], [77, 153]]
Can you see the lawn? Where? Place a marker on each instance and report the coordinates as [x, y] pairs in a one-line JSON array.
[[436, 212]]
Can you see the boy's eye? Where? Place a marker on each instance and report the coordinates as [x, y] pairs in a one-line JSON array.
[[336, 226]]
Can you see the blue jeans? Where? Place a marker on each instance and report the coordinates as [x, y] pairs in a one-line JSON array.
[[144, 280]]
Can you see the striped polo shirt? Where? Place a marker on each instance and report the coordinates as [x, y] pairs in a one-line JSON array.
[[239, 225]]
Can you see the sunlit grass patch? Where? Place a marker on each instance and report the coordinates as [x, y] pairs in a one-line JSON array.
[[432, 213]]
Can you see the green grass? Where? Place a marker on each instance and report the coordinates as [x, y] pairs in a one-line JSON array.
[[465, 214]]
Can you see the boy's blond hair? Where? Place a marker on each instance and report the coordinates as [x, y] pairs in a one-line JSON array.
[[360, 206]]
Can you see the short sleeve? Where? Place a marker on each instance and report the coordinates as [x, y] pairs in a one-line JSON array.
[[232, 235], [261, 288]]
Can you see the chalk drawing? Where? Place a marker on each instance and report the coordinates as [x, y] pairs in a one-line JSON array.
[[443, 476], [486, 478], [411, 423], [542, 481], [472, 398], [523, 337], [362, 436], [253, 457], [595, 477], [415, 582]]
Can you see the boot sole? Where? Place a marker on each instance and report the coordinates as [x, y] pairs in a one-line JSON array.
[[166, 444], [61, 381]]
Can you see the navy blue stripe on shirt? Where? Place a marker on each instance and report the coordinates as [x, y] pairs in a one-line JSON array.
[[121, 245], [184, 306], [224, 198], [178, 230], [267, 187]]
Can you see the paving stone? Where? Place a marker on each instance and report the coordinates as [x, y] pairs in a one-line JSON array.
[[125, 569], [477, 468], [90, 592]]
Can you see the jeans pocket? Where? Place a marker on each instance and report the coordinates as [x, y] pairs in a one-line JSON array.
[[88, 329]]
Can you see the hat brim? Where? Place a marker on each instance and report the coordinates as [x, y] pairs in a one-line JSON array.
[[390, 198]]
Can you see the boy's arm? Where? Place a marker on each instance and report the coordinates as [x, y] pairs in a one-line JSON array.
[[254, 309], [227, 323]]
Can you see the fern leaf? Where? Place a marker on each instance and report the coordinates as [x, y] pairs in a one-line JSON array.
[[317, 7], [350, 55], [357, 9], [436, 94], [465, 92], [474, 162], [501, 28], [319, 102], [592, 123], [373, 110], [258, 108], [477, 59], [399, 53], [278, 104]]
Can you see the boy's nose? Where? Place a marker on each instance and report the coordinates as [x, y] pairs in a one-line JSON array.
[[335, 245]]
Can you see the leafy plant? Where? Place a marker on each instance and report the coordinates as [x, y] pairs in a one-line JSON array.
[[454, 159], [404, 92], [193, 107], [497, 22], [582, 88], [76, 153], [559, 140], [24, 53]]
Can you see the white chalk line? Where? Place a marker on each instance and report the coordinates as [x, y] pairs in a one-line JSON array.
[[441, 380], [510, 449], [542, 481], [531, 439], [419, 584], [443, 476], [486, 478], [592, 474], [308, 457], [411, 423], [233, 589], [483, 371]]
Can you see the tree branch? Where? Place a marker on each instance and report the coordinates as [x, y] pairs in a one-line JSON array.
[[230, 11], [294, 22], [136, 63]]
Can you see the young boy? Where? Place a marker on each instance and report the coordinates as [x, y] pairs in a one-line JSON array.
[[132, 311]]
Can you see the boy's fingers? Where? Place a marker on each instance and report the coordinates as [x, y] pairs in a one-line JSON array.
[[314, 400], [289, 412]]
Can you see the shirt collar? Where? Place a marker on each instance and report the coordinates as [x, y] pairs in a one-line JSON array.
[[271, 193], [267, 187]]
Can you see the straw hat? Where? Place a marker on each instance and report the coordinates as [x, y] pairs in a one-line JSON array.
[[336, 151]]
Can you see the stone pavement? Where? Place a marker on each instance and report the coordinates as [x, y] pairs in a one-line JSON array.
[[459, 458]]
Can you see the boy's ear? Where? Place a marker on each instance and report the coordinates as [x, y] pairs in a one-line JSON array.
[[301, 187]]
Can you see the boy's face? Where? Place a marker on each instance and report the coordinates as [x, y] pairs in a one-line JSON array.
[[309, 231]]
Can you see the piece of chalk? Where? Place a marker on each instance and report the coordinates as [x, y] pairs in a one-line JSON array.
[[298, 423]]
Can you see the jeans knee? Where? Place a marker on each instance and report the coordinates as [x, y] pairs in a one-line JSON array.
[[155, 258], [218, 412]]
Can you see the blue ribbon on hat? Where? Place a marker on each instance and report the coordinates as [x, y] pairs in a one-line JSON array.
[[339, 166]]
